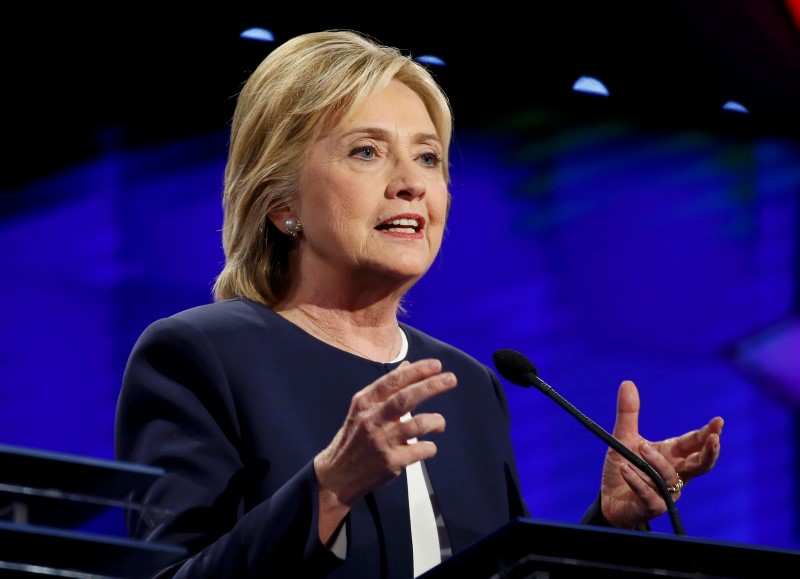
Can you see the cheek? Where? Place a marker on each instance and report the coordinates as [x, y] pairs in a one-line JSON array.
[[348, 222], [438, 208], [324, 209]]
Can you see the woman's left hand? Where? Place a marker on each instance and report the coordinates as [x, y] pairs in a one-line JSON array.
[[629, 499]]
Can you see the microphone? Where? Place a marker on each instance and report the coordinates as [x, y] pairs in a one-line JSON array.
[[518, 370]]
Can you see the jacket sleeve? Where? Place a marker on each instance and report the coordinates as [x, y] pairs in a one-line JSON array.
[[176, 412]]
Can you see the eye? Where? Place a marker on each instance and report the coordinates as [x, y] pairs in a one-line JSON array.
[[431, 159], [364, 151]]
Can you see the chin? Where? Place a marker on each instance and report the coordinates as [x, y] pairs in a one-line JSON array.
[[403, 274]]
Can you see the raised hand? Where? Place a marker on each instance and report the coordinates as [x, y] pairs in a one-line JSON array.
[[371, 448], [629, 499]]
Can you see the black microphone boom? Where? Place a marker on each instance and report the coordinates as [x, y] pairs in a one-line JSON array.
[[518, 370]]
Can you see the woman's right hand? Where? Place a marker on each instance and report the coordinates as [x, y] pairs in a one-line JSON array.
[[371, 448]]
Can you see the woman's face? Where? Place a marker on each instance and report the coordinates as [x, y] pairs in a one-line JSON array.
[[373, 197]]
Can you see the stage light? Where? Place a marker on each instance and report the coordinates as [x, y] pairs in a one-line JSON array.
[[735, 107], [430, 59], [260, 34], [590, 85]]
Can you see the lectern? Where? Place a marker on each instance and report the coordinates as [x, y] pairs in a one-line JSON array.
[[48, 504], [538, 549]]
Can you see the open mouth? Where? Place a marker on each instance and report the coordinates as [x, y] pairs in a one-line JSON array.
[[401, 225]]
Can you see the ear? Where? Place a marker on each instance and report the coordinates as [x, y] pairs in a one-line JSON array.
[[278, 216]]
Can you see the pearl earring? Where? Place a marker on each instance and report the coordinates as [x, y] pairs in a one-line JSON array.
[[292, 226]]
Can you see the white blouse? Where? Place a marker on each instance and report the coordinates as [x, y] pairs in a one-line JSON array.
[[428, 538]]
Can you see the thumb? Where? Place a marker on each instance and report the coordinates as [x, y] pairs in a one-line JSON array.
[[627, 421]]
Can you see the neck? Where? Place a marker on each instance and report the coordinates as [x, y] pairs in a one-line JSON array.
[[369, 298], [357, 332]]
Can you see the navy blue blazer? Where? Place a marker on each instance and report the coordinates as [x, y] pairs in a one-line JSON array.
[[233, 402]]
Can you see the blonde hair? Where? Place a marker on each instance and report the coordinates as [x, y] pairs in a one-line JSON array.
[[300, 89]]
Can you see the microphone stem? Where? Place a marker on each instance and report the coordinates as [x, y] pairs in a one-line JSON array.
[[631, 456]]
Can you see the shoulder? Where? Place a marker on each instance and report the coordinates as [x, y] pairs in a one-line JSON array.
[[219, 316], [214, 322], [469, 369], [422, 345]]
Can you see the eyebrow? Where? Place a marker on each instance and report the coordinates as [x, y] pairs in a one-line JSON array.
[[384, 134]]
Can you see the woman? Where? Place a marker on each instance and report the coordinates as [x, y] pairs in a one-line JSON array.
[[300, 424]]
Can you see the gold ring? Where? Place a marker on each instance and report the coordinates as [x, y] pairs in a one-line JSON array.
[[678, 485]]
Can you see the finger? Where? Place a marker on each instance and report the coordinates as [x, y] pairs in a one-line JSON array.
[[710, 452], [649, 497], [637, 480], [695, 440], [661, 465], [715, 425], [697, 451], [399, 378], [411, 453], [407, 446], [700, 462], [627, 421], [407, 399], [411, 429]]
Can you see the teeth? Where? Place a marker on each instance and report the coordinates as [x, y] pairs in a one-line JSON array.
[[405, 222], [403, 225]]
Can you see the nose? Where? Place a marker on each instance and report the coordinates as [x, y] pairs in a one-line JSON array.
[[406, 181]]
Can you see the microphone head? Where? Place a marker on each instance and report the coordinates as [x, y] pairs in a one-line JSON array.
[[514, 367]]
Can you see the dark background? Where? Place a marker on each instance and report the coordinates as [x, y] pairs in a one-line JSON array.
[[81, 82]]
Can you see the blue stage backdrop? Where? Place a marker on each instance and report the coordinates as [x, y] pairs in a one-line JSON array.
[[603, 251]]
